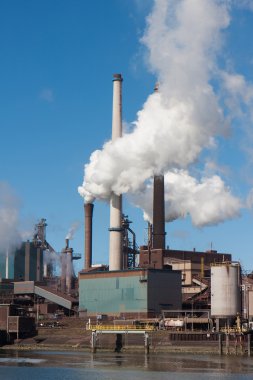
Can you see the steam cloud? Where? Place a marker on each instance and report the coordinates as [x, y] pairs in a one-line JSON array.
[[183, 39], [74, 227], [207, 201], [9, 211]]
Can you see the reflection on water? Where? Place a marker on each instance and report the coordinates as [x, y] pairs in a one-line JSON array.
[[75, 365], [19, 361]]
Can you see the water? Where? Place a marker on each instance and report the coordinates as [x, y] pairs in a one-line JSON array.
[[40, 365]]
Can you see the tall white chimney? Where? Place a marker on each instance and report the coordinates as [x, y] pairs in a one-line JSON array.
[[115, 256]]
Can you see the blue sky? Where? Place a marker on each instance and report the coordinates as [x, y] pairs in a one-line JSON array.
[[57, 62]]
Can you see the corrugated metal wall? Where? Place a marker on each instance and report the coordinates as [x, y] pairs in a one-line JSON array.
[[113, 295], [136, 293]]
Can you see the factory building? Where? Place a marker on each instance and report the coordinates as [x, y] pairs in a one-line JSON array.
[[192, 264], [132, 293]]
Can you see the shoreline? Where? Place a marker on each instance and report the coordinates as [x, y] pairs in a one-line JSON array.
[[196, 350], [161, 341]]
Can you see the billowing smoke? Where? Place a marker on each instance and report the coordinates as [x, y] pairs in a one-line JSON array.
[[71, 232], [51, 260], [183, 40], [207, 201], [10, 238]]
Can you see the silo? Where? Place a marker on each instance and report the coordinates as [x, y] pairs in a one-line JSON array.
[[225, 289]]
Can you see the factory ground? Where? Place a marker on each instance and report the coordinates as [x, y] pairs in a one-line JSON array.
[[71, 334]]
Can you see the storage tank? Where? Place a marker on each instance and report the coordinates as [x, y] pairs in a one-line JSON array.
[[225, 289]]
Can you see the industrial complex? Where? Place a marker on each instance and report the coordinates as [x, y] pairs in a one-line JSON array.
[[176, 289]]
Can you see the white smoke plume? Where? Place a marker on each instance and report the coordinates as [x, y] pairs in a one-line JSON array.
[[183, 40], [51, 257], [207, 201], [71, 232], [9, 218]]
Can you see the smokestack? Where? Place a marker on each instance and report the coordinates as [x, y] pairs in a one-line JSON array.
[[115, 257], [88, 211], [158, 213], [7, 264], [63, 270], [69, 271], [66, 268]]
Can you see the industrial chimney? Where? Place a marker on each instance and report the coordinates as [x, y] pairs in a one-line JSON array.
[[158, 213], [66, 268], [88, 211], [158, 241], [115, 257]]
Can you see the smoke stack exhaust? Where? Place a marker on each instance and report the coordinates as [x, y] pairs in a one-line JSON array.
[[88, 211], [115, 257], [158, 213]]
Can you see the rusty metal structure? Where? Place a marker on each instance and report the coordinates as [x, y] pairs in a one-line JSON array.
[[158, 241], [130, 249]]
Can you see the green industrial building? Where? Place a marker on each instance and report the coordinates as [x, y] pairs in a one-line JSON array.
[[28, 263], [132, 293]]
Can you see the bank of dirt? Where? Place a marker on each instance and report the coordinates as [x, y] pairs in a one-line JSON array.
[[71, 334]]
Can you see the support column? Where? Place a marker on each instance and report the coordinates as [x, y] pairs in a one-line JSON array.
[[220, 344], [227, 344], [146, 343], [93, 341], [249, 344]]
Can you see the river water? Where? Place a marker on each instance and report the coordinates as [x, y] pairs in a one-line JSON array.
[[42, 365]]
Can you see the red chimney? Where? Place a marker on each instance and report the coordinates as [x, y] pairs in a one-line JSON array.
[[88, 210]]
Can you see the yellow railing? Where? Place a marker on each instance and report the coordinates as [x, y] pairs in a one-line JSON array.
[[229, 330], [119, 327]]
